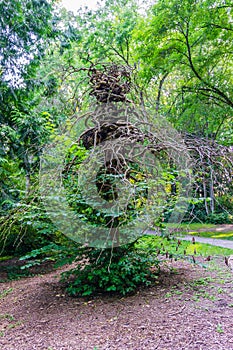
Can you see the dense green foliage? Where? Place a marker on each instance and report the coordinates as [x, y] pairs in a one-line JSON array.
[[27, 28], [185, 52], [121, 270], [25, 25], [180, 56]]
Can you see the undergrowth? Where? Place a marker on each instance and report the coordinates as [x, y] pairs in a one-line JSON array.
[[120, 270]]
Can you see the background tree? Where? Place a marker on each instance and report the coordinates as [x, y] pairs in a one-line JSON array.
[[185, 53], [26, 27], [185, 50]]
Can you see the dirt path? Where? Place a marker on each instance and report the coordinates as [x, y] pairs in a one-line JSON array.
[[188, 308]]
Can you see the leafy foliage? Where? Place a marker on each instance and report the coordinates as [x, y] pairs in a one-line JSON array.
[[219, 218], [119, 270], [26, 29], [185, 53], [22, 35]]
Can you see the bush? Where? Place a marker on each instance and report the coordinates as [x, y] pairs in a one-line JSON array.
[[222, 215], [196, 212], [219, 218], [119, 270], [23, 231], [225, 203], [17, 241]]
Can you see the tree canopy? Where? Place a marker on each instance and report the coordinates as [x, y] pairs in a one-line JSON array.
[[186, 51], [24, 27]]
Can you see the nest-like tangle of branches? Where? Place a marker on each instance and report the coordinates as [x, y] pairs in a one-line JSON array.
[[208, 151], [207, 148], [111, 131], [211, 157], [115, 137], [110, 83]]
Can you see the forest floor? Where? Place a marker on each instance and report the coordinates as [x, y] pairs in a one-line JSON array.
[[190, 307]]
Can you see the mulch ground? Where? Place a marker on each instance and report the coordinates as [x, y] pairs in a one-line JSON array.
[[189, 308]]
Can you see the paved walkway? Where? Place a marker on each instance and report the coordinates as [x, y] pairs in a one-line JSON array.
[[213, 241], [219, 228]]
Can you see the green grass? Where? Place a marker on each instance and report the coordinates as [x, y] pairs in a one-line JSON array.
[[163, 245], [192, 226], [4, 258], [211, 234], [5, 292]]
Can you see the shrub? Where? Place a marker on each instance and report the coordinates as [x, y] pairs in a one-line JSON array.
[[24, 229], [196, 211], [219, 218], [120, 270], [225, 203]]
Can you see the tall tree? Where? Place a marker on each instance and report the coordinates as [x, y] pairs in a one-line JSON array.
[[185, 49], [26, 28]]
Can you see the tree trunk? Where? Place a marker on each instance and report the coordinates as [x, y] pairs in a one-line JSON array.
[[205, 198], [114, 234], [212, 201]]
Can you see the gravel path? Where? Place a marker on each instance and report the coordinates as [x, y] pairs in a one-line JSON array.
[[213, 241], [224, 243]]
